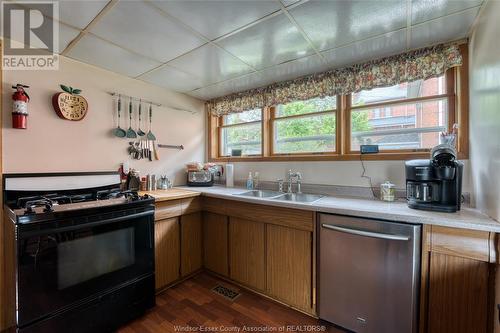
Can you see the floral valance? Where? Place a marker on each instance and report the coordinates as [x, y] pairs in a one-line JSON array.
[[406, 67]]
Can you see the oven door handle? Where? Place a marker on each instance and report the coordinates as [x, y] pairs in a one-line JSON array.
[[87, 225]]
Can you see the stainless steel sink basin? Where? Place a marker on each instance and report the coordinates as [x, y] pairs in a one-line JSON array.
[[260, 194], [299, 197]]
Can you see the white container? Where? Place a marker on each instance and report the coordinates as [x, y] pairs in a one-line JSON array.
[[229, 175]]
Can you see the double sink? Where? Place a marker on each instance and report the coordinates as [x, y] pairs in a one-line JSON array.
[[274, 195]]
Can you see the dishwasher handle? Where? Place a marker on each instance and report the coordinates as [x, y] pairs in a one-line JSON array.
[[365, 233]]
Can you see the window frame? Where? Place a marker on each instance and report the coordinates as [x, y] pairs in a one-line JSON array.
[[221, 127], [457, 87], [273, 118]]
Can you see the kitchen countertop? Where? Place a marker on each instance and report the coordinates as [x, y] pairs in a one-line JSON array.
[[171, 194], [466, 218]]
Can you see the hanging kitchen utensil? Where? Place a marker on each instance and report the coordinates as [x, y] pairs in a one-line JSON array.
[[139, 131], [118, 131], [150, 134], [155, 151], [130, 132]]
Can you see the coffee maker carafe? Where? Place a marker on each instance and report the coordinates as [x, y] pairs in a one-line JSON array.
[[435, 184]]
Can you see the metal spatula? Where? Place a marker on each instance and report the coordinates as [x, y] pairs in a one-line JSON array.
[[150, 134], [139, 130], [130, 132], [118, 131]]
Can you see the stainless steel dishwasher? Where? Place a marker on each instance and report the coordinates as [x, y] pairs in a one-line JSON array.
[[368, 274]]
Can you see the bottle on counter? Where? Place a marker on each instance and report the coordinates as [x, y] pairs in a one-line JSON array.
[[229, 175], [250, 181], [256, 180]]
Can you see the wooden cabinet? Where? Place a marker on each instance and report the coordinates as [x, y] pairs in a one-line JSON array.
[[289, 266], [456, 291], [167, 251], [458, 294], [215, 243], [191, 243], [247, 252]]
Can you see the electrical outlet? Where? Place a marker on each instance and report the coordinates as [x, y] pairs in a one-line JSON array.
[[368, 149]]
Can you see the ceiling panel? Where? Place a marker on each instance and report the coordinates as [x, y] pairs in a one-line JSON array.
[[294, 69], [374, 48], [331, 24], [443, 29], [95, 51], [246, 82], [268, 43], [215, 18], [142, 28], [172, 78], [211, 64], [77, 13], [66, 35], [424, 10]]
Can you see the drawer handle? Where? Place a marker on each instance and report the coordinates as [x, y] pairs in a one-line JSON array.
[[366, 233]]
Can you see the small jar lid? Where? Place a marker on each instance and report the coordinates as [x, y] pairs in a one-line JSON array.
[[388, 184]]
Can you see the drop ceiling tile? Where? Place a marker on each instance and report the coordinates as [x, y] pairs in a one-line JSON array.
[[95, 51], [289, 2], [211, 64], [273, 41], [172, 78], [370, 49], [332, 24], [424, 10], [66, 35], [443, 29], [239, 84], [215, 18], [293, 69], [77, 13], [142, 28]]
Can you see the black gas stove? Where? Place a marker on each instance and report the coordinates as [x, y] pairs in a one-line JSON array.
[[83, 247]]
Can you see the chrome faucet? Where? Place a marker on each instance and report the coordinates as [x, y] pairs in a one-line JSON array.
[[297, 176]]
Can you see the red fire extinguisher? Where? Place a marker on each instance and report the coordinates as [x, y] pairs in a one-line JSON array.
[[20, 107]]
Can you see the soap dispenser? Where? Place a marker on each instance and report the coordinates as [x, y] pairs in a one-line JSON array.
[[249, 181]]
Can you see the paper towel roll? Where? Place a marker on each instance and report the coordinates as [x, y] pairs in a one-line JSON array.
[[229, 175]]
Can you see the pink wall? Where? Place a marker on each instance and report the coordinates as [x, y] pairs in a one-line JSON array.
[[51, 144]]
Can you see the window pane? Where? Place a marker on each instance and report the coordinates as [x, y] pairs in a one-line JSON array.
[[419, 88], [305, 134], [243, 117], [405, 126], [248, 138], [309, 106]]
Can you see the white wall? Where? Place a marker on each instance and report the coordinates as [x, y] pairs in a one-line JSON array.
[[346, 173], [485, 110], [51, 144]]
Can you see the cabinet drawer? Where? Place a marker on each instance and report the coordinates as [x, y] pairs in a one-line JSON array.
[[463, 243], [168, 209]]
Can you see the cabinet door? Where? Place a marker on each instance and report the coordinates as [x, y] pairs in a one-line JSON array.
[[289, 265], [246, 249], [191, 243], [167, 251], [458, 295], [215, 243]]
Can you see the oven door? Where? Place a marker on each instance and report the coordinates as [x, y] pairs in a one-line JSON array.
[[68, 262]]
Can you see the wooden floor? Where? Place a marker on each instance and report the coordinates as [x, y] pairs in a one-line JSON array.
[[193, 307]]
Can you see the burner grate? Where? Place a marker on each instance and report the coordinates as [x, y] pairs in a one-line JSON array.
[[226, 292]]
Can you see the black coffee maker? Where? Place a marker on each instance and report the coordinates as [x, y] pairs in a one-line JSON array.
[[435, 184]]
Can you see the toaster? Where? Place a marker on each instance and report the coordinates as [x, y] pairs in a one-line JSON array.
[[200, 178]]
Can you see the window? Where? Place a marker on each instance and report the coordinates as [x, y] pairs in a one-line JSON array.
[[305, 126], [241, 131], [404, 120], [414, 115]]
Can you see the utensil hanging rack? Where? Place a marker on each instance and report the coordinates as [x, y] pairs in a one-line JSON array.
[[145, 101], [161, 145]]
